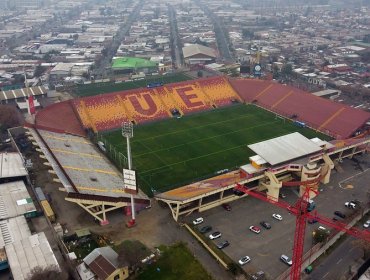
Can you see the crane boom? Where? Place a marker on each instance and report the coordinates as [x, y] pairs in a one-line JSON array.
[[301, 212]]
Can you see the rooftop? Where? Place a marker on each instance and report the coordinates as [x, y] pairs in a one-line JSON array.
[[13, 230], [132, 62], [285, 148], [14, 200], [11, 165], [191, 50], [28, 253], [102, 261]]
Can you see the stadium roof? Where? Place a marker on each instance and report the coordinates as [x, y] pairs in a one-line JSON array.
[[285, 148], [195, 49], [200, 188], [15, 200], [11, 165], [28, 253], [89, 171], [132, 62]]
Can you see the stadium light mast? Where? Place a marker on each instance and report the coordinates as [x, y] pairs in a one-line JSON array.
[[129, 176]]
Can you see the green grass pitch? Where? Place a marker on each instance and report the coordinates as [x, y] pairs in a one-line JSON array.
[[175, 152], [101, 88]]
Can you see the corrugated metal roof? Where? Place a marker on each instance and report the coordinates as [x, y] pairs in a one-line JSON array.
[[191, 50], [102, 267], [285, 148], [107, 252], [11, 165], [13, 230], [14, 200], [28, 253]]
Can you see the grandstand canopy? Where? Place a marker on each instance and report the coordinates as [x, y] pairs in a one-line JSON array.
[[132, 63], [285, 148], [89, 171]]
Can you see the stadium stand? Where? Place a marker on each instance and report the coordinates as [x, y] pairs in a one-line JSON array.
[[60, 117], [335, 119], [201, 187], [144, 105], [105, 112], [188, 97], [218, 90]]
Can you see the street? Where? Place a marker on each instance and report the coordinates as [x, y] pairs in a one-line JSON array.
[[337, 264]]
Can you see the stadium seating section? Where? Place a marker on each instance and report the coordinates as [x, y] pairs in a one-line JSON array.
[[335, 119], [108, 111]]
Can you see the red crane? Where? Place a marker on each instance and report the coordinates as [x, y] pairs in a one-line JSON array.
[[302, 214]]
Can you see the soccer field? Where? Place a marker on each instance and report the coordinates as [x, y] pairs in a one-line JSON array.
[[175, 152]]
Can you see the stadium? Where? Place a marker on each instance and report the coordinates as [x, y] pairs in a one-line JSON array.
[[194, 140]]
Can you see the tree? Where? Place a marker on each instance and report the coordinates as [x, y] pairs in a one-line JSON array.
[[131, 252], [51, 272], [364, 246], [9, 117], [39, 70], [200, 74], [287, 69], [320, 235]]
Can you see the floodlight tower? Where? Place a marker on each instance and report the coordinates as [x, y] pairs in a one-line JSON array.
[[128, 132]]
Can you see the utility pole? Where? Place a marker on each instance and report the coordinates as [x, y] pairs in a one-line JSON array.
[[129, 175]]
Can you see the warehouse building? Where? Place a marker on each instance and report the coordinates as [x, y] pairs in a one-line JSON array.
[[198, 54]]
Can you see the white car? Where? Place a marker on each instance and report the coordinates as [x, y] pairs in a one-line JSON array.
[[367, 224], [286, 260], [244, 260], [215, 235], [350, 205], [198, 221], [277, 216]]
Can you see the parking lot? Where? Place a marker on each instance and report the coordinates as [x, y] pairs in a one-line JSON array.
[[265, 248]]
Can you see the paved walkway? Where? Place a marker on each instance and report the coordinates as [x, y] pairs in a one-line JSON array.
[[155, 227]]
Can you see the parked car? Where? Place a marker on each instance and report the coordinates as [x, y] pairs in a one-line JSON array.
[[215, 235], [339, 214], [226, 206], [277, 216], [198, 221], [367, 224], [255, 229], [286, 260], [205, 229], [350, 204], [266, 225], [223, 244], [244, 260]]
